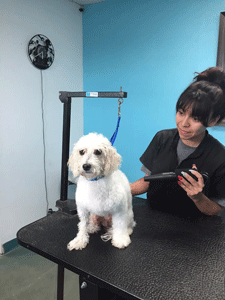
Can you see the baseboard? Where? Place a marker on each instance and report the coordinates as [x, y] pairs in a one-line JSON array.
[[9, 246]]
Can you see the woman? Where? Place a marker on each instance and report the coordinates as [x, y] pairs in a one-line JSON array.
[[189, 146]]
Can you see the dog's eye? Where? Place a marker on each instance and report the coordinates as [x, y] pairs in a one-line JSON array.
[[97, 152], [82, 152]]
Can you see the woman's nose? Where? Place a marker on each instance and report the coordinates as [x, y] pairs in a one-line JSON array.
[[186, 121]]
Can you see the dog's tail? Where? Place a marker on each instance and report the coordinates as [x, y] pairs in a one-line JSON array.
[[108, 235]]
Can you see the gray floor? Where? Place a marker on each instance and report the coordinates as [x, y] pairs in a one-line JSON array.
[[25, 275]]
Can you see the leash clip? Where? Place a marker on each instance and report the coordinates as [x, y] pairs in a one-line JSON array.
[[120, 101]]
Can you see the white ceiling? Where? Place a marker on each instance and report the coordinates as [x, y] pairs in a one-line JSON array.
[[84, 2]]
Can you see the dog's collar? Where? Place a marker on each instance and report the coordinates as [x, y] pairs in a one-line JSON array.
[[96, 179], [93, 179]]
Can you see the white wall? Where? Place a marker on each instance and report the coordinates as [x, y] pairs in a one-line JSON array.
[[22, 190]]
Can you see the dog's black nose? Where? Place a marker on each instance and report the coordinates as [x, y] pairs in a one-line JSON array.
[[86, 167]]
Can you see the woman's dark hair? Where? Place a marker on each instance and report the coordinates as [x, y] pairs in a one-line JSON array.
[[205, 96]]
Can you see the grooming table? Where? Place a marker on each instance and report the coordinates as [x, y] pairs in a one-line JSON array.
[[169, 257]]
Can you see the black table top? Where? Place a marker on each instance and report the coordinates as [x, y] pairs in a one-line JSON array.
[[169, 257]]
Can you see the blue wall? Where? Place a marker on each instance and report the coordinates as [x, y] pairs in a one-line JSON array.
[[151, 49]]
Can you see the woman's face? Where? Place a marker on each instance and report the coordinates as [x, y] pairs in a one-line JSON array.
[[191, 130]]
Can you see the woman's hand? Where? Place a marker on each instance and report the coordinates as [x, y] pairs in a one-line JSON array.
[[194, 191], [139, 187], [193, 188]]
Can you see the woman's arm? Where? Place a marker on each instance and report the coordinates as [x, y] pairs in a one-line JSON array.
[[139, 187], [207, 206]]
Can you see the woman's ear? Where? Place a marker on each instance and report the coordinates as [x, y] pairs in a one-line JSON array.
[[214, 121]]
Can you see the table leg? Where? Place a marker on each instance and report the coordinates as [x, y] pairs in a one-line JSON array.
[[60, 282]]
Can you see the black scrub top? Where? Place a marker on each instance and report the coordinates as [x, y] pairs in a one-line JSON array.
[[161, 156]]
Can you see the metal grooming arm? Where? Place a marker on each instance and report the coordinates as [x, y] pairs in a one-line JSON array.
[[65, 204]]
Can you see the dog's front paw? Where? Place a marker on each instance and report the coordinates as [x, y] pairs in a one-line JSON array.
[[121, 241], [77, 244]]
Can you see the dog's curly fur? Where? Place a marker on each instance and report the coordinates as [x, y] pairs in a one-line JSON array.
[[102, 190]]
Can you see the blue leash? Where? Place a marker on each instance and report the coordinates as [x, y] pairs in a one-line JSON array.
[[113, 138]]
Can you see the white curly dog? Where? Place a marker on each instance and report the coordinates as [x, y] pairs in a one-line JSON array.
[[102, 190]]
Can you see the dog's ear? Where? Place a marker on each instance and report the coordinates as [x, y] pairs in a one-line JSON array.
[[73, 162], [112, 160]]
